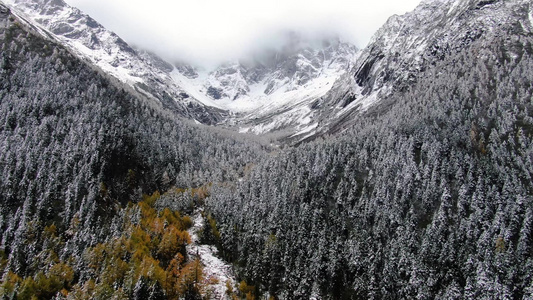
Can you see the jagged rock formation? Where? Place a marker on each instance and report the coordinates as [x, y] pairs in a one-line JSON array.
[[407, 45]]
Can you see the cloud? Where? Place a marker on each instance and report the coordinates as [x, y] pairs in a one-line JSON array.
[[209, 32]]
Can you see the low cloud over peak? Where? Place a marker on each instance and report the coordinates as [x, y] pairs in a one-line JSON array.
[[209, 32]]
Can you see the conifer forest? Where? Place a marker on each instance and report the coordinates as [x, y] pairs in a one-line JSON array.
[[427, 194]]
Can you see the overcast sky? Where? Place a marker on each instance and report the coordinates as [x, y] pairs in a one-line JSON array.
[[211, 31]]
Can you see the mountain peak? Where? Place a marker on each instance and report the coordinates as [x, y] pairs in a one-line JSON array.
[[407, 44], [304, 81]]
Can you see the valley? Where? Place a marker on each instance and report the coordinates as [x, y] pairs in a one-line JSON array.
[[401, 170]]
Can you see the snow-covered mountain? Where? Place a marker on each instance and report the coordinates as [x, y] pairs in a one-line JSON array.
[[271, 94], [145, 72], [410, 43], [353, 82], [407, 45], [276, 93], [300, 90]]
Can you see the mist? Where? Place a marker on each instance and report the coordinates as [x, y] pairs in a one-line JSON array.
[[209, 32]]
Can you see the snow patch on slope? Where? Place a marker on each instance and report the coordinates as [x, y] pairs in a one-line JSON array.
[[453, 7], [284, 107], [105, 56], [216, 272], [193, 87], [256, 102], [104, 59]]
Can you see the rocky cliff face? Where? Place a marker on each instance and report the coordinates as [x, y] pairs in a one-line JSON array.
[[287, 69], [407, 45]]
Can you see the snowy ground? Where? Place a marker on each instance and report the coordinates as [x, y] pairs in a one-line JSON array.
[[216, 271]]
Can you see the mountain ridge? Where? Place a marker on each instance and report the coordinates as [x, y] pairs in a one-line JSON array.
[[91, 41], [406, 45], [180, 92], [302, 95], [276, 95]]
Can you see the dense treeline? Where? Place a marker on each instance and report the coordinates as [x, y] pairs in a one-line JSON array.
[[430, 198], [144, 257], [77, 146]]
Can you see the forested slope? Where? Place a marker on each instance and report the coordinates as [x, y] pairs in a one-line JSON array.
[[76, 148], [428, 196]]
